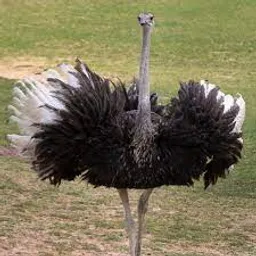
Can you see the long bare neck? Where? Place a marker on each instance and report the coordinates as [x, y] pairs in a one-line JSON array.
[[144, 108], [144, 131]]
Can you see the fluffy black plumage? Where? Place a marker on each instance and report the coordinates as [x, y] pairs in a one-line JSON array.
[[93, 136], [197, 129], [132, 99]]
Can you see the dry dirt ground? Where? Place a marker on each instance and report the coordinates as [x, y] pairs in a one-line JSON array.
[[18, 68], [6, 151]]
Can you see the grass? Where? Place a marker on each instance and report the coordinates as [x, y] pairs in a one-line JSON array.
[[192, 39], [5, 99]]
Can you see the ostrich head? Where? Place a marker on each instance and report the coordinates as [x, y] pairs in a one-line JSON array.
[[146, 19]]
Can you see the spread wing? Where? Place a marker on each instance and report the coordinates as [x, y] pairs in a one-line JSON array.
[[202, 128]]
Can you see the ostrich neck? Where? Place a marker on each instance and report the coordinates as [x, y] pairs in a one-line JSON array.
[[144, 130], [144, 108]]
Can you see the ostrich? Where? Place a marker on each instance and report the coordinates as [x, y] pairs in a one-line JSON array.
[[75, 123]]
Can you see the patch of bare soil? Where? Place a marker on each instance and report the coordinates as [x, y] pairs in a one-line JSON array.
[[204, 249], [6, 151], [18, 68], [36, 243]]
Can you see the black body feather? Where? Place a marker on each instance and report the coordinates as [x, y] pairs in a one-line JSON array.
[[132, 99], [93, 136]]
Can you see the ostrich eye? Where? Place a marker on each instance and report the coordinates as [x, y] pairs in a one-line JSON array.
[[139, 18], [151, 17]]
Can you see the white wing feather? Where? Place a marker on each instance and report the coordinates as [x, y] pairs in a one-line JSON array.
[[228, 102], [29, 95]]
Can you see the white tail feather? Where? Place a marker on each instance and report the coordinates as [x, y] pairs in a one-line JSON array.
[[14, 110], [19, 141], [228, 102], [68, 74], [23, 144], [51, 73], [241, 114]]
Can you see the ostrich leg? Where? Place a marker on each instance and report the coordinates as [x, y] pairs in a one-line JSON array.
[[130, 224], [142, 209]]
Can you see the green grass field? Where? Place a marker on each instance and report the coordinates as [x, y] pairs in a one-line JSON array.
[[192, 39]]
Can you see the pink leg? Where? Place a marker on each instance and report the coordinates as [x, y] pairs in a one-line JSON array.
[[142, 209], [130, 224]]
